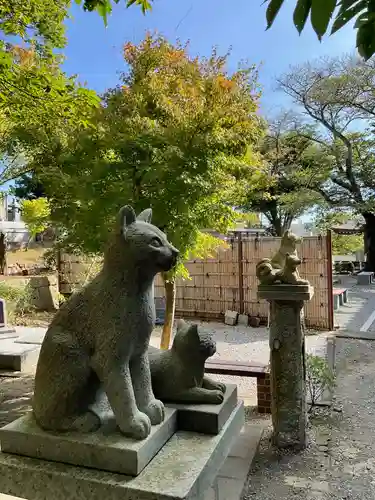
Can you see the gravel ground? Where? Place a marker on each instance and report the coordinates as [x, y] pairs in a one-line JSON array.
[[339, 463]]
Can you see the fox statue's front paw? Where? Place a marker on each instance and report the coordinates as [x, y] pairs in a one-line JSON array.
[[155, 411], [221, 387], [215, 397], [138, 427]]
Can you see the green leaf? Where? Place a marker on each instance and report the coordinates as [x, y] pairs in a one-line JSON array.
[[272, 11], [321, 14], [361, 19], [366, 39], [301, 13], [346, 4], [104, 9], [346, 15], [144, 4]]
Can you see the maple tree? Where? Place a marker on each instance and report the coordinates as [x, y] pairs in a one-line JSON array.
[[176, 135], [36, 97], [36, 215]]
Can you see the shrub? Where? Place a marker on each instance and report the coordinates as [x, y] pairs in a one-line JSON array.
[[19, 300], [319, 377], [50, 259]]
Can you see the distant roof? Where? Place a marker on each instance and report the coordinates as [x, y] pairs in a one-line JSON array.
[[247, 230], [214, 233], [350, 227], [231, 233]]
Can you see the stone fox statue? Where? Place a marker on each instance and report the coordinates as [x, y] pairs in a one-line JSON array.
[[178, 374], [95, 350]]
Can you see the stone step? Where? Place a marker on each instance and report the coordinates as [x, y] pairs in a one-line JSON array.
[[18, 357], [32, 336], [8, 497], [232, 476], [8, 333], [184, 469]]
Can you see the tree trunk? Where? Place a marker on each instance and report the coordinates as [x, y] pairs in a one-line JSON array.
[[369, 238], [170, 302], [288, 219]]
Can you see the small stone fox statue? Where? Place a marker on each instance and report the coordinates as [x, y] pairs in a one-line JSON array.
[[94, 355], [289, 274], [178, 374], [269, 270]]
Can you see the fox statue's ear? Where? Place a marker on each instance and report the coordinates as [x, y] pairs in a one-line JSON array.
[[126, 216], [146, 215], [193, 330], [180, 324]]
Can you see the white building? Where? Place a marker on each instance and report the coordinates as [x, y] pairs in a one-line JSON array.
[[11, 223]]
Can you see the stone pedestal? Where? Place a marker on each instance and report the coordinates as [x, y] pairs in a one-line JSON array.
[[106, 450], [204, 418], [287, 345], [184, 469]]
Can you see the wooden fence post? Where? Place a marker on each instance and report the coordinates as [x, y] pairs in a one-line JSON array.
[[240, 274], [331, 322]]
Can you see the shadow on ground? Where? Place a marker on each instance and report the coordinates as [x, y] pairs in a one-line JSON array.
[[15, 397]]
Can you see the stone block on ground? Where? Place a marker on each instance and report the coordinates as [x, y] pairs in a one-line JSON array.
[[107, 449], [8, 333], [34, 336], [254, 322], [206, 418], [17, 357], [230, 317], [243, 319], [184, 469], [44, 290]]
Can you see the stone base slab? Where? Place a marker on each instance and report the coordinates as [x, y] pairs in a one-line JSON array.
[[33, 337], [7, 332], [285, 292], [107, 449], [206, 418], [17, 357], [184, 469]]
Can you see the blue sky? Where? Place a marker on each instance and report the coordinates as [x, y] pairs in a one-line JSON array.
[[94, 52]]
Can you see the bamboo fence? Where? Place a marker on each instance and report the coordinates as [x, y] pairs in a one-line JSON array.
[[228, 281]]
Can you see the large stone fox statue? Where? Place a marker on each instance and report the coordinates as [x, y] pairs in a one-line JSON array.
[[95, 350]]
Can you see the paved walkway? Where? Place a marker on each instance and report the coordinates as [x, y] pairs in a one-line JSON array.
[[356, 318]]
